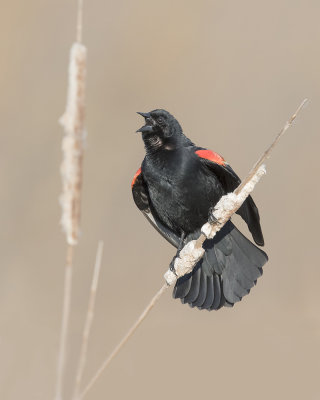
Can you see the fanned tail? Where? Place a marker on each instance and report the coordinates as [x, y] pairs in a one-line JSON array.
[[229, 269]]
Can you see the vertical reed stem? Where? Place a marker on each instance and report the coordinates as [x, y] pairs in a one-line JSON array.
[[64, 322], [88, 322]]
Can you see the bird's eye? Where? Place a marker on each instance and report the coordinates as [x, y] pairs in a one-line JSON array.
[[160, 120]]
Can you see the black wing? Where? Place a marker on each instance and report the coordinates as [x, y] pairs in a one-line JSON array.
[[142, 200], [230, 181]]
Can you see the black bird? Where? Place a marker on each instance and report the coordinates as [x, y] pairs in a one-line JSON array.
[[175, 188]]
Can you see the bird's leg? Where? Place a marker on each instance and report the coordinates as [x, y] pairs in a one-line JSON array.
[[182, 237]]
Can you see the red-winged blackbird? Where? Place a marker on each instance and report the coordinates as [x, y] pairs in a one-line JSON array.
[[175, 188]]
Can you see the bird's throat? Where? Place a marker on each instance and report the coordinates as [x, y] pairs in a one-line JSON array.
[[152, 143]]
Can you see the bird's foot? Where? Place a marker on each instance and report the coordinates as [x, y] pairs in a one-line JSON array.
[[211, 218], [171, 266]]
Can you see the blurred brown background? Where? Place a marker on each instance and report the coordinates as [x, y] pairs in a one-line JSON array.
[[232, 72]]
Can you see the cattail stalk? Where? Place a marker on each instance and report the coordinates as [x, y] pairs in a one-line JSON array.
[[71, 173]]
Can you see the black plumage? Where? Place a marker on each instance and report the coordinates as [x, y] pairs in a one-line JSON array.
[[175, 188]]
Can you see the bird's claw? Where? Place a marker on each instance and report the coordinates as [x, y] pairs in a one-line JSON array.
[[171, 266], [211, 218]]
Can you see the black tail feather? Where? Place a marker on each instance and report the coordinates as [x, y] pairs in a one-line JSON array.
[[250, 213], [202, 290], [210, 294], [217, 293], [195, 286]]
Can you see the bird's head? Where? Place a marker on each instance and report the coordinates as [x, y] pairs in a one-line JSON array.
[[161, 129]]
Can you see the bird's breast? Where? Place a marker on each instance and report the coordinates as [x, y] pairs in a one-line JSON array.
[[181, 191]]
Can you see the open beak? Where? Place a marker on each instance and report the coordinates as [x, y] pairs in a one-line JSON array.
[[148, 127], [144, 115]]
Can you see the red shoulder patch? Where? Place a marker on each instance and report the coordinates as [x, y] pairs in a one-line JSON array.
[[135, 177], [211, 156]]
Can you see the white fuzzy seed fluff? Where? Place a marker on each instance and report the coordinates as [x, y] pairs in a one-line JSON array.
[[73, 144]]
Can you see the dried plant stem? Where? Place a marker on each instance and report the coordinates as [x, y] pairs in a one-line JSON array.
[[193, 251], [79, 21], [130, 332], [88, 321], [65, 322], [267, 153]]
